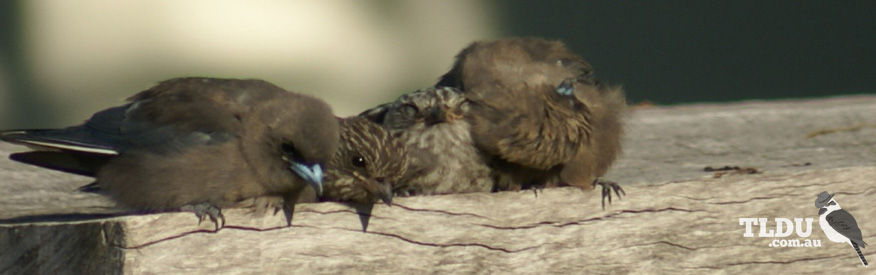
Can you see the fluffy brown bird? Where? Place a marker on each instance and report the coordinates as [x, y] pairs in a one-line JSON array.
[[194, 143], [365, 168], [366, 165], [511, 114], [537, 110], [443, 156]]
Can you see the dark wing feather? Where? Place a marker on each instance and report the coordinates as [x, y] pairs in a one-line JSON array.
[[99, 135], [167, 118], [845, 224], [77, 163]]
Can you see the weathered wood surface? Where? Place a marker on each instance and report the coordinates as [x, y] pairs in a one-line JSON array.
[[676, 218]]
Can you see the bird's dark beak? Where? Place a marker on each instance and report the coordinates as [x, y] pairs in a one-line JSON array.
[[379, 189], [385, 193], [312, 174]]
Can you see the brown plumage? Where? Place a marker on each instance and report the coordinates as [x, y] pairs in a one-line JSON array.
[[511, 114], [537, 110], [366, 165], [194, 143], [443, 158]]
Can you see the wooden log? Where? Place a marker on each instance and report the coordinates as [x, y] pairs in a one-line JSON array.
[[676, 217]]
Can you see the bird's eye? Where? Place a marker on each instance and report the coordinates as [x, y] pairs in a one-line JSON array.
[[409, 109], [287, 148], [290, 153], [832, 203], [358, 161]]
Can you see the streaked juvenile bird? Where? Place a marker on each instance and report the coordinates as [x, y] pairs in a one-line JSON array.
[[366, 165], [537, 110], [443, 156], [198, 144], [528, 110]]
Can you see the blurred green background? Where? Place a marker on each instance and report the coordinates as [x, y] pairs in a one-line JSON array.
[[60, 61]]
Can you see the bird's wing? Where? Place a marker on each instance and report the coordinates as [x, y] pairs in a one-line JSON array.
[[170, 116], [166, 118], [845, 224], [84, 164]]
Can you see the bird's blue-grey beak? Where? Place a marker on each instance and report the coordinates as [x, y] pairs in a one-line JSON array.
[[565, 88], [312, 174]]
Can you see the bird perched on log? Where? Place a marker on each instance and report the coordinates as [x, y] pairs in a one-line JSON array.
[[533, 109], [536, 108], [443, 156], [366, 165], [197, 144]]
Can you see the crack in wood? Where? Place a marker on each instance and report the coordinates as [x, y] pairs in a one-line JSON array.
[[666, 243], [245, 228], [350, 211], [167, 239], [227, 227], [445, 245], [578, 222], [681, 246], [440, 211], [693, 199]]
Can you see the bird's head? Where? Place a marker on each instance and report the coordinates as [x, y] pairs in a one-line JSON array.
[[366, 164], [832, 205], [514, 61], [305, 133], [425, 108]]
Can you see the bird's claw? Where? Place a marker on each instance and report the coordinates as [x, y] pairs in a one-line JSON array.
[[288, 208], [607, 187], [208, 210]]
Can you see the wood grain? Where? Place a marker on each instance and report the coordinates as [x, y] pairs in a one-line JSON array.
[[676, 218]]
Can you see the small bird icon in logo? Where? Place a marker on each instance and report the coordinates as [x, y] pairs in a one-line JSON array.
[[838, 224]]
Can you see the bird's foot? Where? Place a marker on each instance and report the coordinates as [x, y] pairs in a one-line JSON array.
[[364, 212], [607, 187], [288, 208], [539, 188], [208, 210]]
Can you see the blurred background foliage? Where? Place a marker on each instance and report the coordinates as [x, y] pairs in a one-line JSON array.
[[61, 61]]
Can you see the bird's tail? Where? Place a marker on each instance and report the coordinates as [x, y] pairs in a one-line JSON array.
[[860, 255], [68, 150], [72, 139]]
